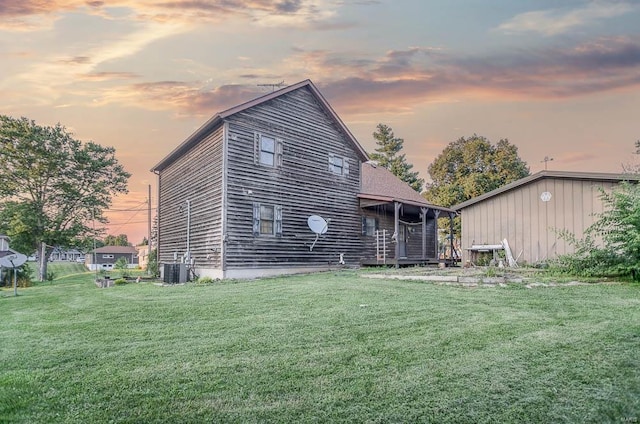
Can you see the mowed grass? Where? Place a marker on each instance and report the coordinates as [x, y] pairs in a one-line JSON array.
[[329, 347]]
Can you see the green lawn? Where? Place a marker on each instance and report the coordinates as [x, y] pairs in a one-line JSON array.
[[330, 347]]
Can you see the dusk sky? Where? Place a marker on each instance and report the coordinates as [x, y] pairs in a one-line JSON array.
[[557, 81]]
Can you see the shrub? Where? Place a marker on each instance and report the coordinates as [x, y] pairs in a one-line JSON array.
[[611, 246], [120, 282], [123, 266], [205, 280]]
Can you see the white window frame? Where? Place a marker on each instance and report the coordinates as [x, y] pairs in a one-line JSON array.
[[107, 256]]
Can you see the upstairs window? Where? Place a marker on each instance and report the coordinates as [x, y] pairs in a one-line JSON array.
[[338, 165], [267, 220], [268, 150]]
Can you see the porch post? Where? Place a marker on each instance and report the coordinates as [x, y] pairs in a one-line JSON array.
[[451, 235], [436, 213], [424, 232], [396, 229]]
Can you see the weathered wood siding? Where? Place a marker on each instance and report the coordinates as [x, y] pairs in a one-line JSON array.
[[196, 176], [302, 186], [529, 224]]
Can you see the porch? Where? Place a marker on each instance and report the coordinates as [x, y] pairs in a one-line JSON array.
[[402, 232]]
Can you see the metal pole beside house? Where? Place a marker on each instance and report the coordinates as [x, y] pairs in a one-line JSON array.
[[15, 281], [188, 232]]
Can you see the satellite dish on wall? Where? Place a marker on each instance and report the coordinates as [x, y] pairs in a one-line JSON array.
[[13, 260], [318, 225]]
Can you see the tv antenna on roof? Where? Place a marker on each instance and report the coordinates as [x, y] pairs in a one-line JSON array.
[[273, 86], [318, 225], [546, 160]]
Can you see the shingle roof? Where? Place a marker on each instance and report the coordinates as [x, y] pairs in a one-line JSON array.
[[579, 176], [378, 183]]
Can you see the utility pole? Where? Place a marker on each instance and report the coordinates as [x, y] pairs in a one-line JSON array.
[[148, 228], [149, 219]]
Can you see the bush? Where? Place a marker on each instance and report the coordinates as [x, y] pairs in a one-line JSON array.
[[205, 280], [120, 282], [123, 266], [611, 246]]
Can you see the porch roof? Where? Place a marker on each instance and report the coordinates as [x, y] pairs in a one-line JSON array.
[[380, 186]]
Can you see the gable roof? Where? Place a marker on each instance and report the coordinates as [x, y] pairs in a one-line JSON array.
[[578, 176], [378, 183], [218, 118]]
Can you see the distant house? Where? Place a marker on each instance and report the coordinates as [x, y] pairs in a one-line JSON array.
[[529, 212], [143, 255], [280, 185], [60, 254], [105, 257]]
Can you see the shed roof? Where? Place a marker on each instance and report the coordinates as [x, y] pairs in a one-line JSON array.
[[218, 118], [378, 183], [578, 176]]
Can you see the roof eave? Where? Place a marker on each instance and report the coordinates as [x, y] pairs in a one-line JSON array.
[[404, 201], [590, 176]]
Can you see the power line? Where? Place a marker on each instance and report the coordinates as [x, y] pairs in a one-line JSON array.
[[128, 210]]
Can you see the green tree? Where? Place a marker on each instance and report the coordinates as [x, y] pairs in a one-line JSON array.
[[54, 187], [472, 166], [388, 156], [152, 267], [123, 266], [119, 240]]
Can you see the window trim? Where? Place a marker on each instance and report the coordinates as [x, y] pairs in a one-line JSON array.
[[343, 167], [276, 220], [259, 150]]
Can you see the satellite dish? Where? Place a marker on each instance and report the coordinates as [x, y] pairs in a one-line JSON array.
[[317, 224], [13, 260]]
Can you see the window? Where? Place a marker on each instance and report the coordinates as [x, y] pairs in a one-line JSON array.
[[338, 165], [267, 220], [107, 256], [369, 226], [268, 150]]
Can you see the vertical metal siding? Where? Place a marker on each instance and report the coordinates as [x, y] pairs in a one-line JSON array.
[[531, 225]]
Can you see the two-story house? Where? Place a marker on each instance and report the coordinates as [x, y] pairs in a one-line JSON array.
[[242, 196]]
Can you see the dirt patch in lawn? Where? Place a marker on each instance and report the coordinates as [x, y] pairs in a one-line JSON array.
[[479, 276]]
